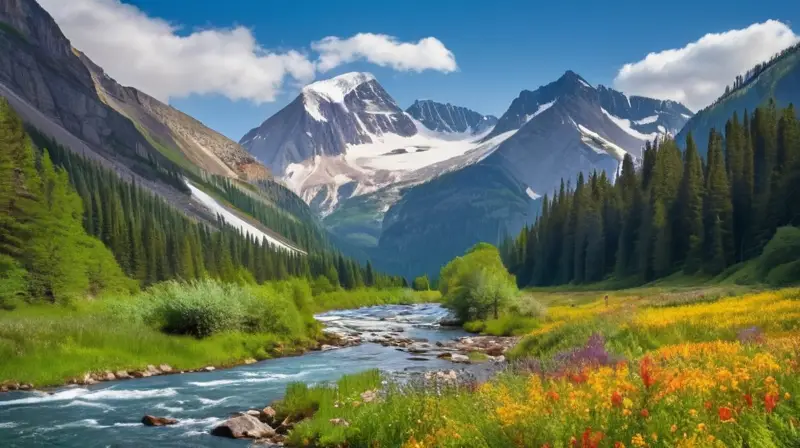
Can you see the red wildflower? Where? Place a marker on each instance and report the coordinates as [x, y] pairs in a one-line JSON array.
[[707, 404], [619, 445], [725, 414], [644, 413], [646, 371], [770, 401], [616, 399], [553, 395], [748, 398], [591, 439]]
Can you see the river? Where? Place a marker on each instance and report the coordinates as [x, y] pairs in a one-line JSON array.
[[109, 414]]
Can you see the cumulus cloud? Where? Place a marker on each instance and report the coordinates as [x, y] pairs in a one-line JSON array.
[[698, 73], [426, 54], [152, 55], [147, 53]]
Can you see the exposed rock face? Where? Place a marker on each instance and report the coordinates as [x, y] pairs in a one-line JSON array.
[[38, 65], [243, 427], [202, 146], [326, 117], [449, 118]]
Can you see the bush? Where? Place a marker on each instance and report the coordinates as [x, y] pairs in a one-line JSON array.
[[199, 308], [421, 283], [783, 248], [477, 285], [527, 306]]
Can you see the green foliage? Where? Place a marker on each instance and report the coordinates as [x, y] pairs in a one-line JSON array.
[[362, 297], [477, 284], [46, 253], [49, 344], [671, 214], [421, 283]]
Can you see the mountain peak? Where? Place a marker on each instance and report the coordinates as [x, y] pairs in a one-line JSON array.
[[336, 88], [571, 77], [446, 117]]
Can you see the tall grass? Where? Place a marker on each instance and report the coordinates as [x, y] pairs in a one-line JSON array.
[[358, 298], [185, 325]]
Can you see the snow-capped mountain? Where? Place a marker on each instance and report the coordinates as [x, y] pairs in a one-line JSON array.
[[553, 132], [325, 118], [449, 118], [346, 137], [569, 126]]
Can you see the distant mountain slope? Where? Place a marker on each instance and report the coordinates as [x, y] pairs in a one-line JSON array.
[[348, 150], [779, 80], [449, 118], [556, 131]]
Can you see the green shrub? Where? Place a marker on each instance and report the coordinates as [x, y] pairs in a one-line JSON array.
[[784, 247], [785, 274], [199, 308], [527, 306]]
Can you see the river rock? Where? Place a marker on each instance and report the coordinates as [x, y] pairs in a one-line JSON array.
[[495, 350], [165, 368], [149, 420], [88, 379], [326, 347], [243, 427], [109, 376], [456, 357], [3, 388], [152, 370], [267, 415], [25, 387], [210, 369], [249, 361], [122, 375]]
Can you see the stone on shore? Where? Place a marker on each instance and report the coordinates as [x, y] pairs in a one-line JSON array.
[[165, 368], [149, 420], [243, 427], [267, 415], [249, 361], [122, 375]]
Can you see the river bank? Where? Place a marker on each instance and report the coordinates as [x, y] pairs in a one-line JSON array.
[[98, 414]]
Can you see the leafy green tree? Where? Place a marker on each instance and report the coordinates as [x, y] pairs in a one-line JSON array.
[[421, 283]]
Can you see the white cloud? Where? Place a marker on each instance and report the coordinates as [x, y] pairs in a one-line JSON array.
[[150, 54], [147, 53], [698, 73], [427, 54]]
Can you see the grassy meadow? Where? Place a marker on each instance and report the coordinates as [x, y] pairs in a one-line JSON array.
[[656, 367], [186, 325]]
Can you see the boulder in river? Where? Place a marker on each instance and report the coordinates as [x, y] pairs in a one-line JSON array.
[[243, 427], [456, 357], [149, 420]]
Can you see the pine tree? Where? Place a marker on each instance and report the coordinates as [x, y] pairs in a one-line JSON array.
[[719, 209], [691, 230]]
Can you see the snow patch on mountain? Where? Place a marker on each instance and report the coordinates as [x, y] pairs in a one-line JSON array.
[[540, 109], [599, 144], [332, 90], [647, 120], [532, 194], [625, 125], [210, 203]]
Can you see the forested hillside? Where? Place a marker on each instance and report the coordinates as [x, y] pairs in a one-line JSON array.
[[60, 210], [676, 212]]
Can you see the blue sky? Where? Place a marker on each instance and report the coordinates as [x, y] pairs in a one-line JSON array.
[[500, 47]]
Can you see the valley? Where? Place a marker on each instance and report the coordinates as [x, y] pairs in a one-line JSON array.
[[232, 225]]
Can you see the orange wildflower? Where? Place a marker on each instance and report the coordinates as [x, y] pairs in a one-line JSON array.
[[725, 414], [770, 401], [644, 413], [616, 399]]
